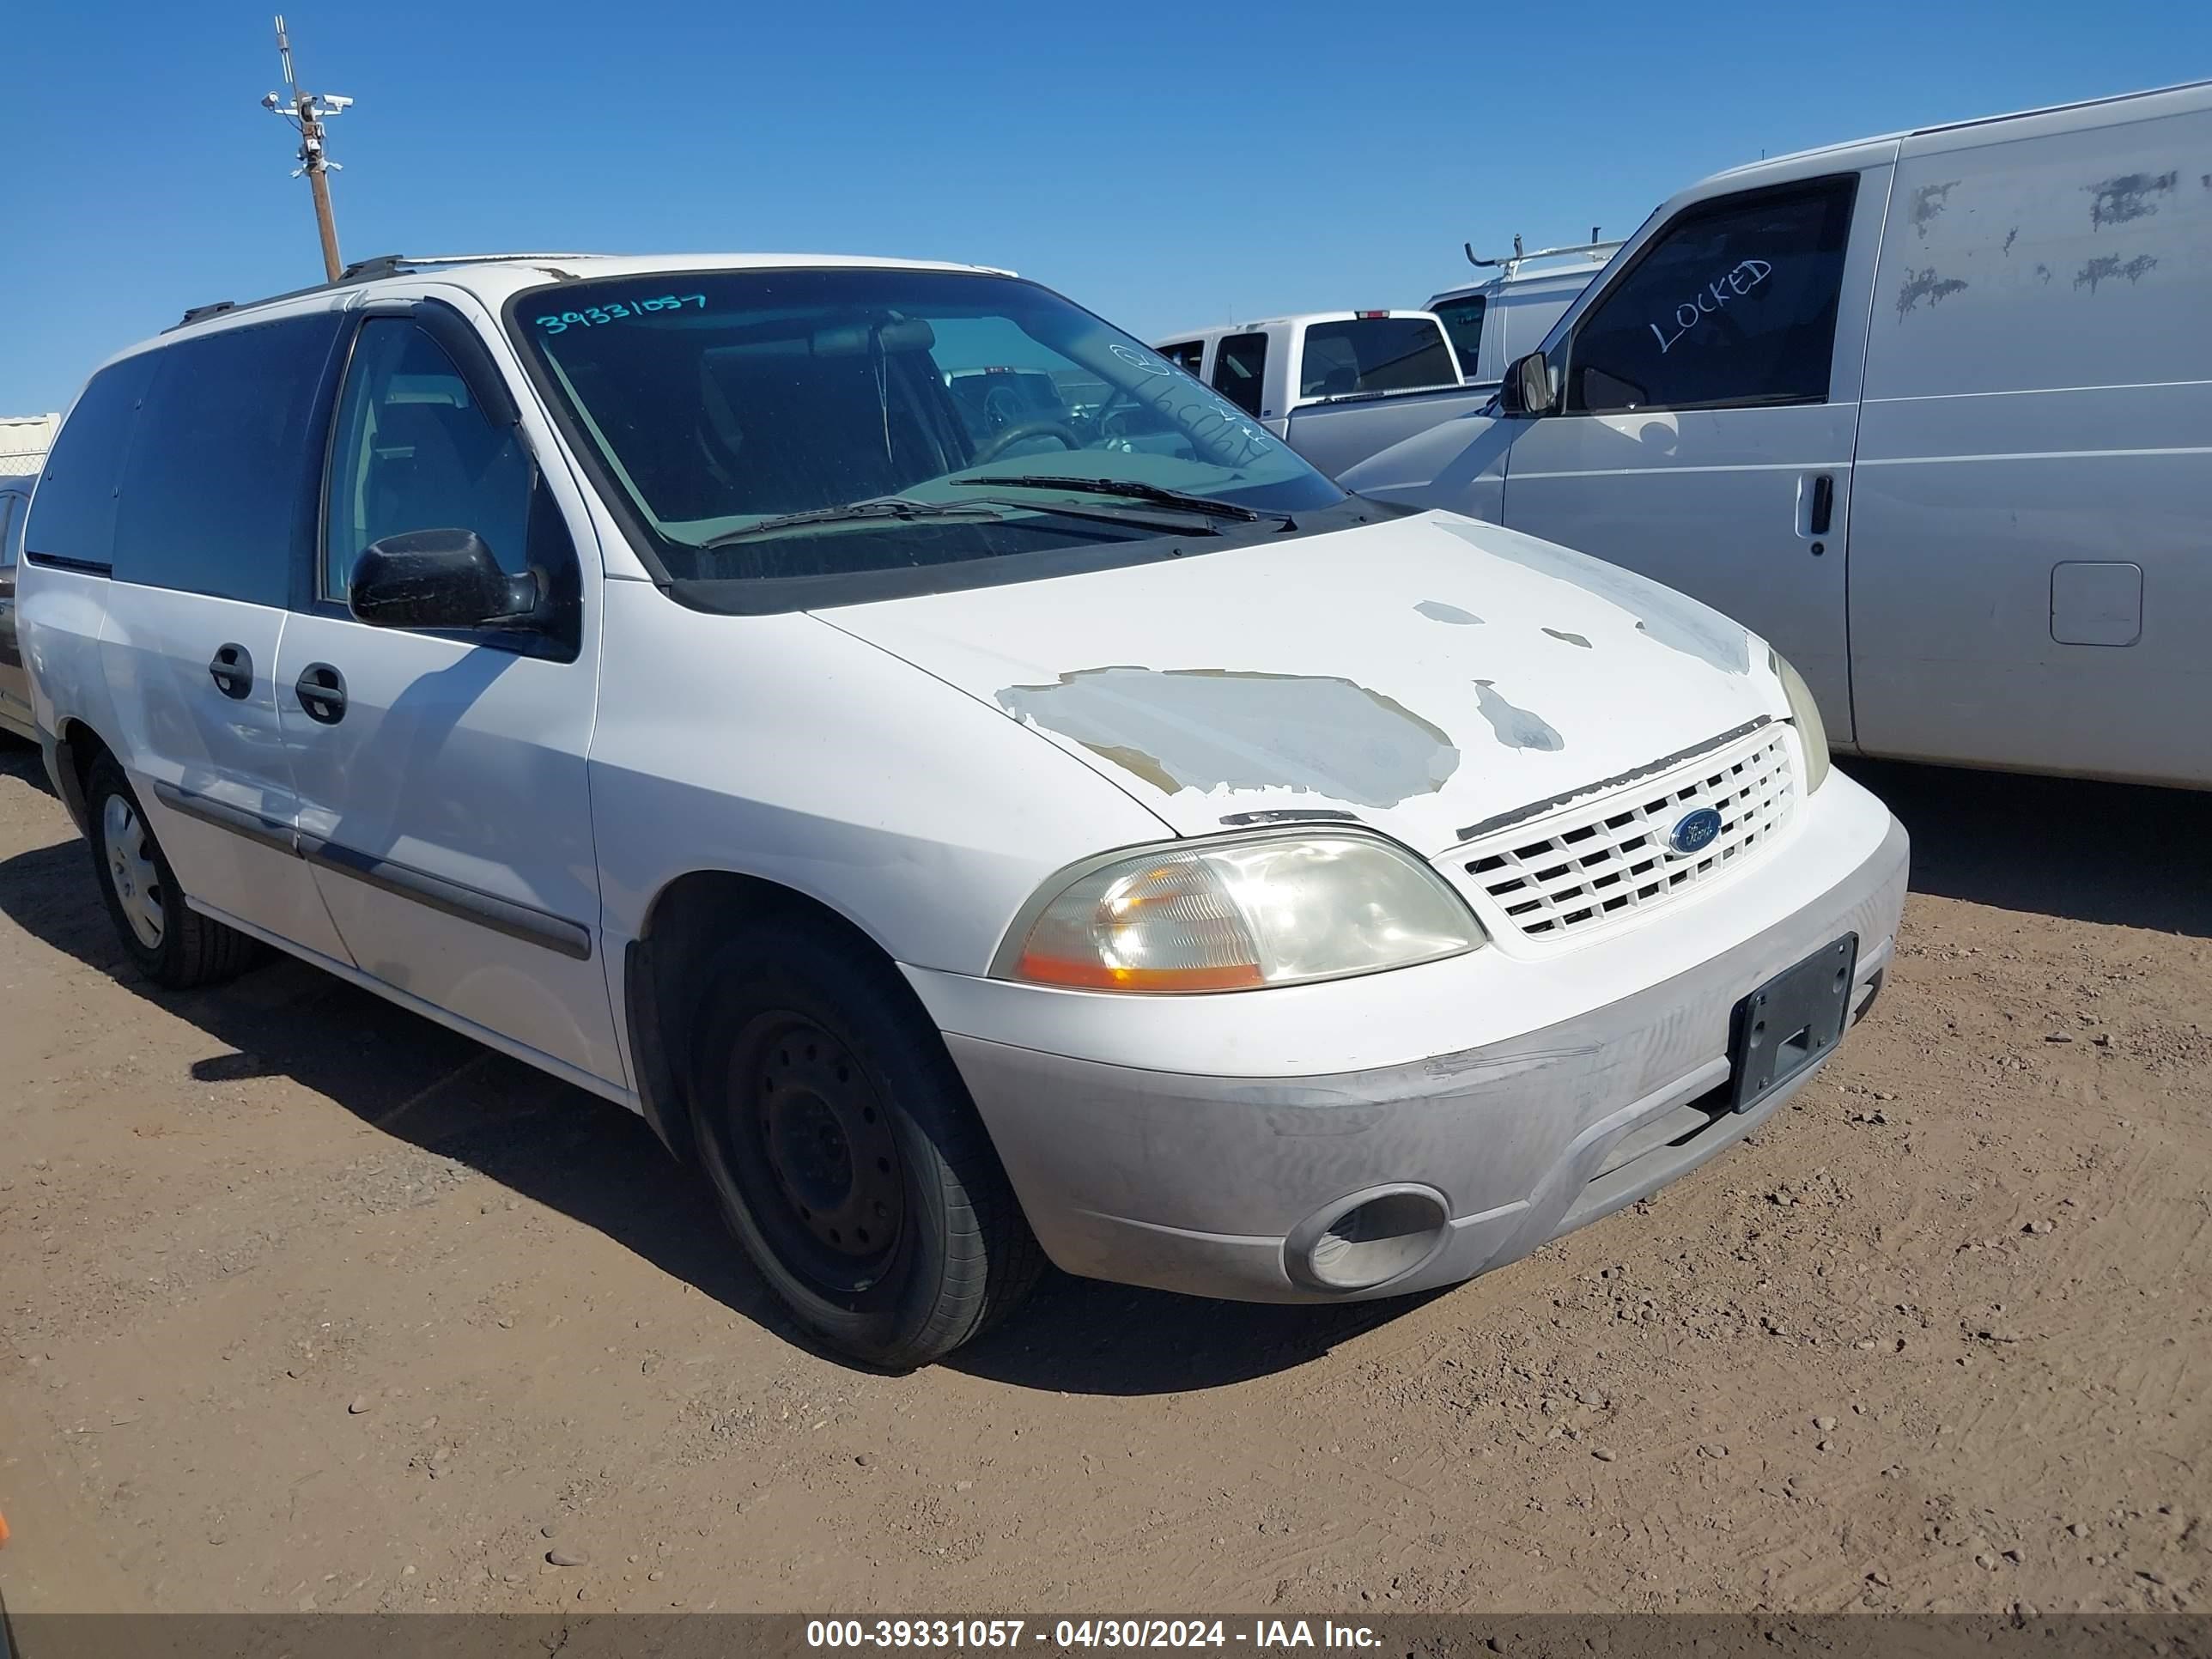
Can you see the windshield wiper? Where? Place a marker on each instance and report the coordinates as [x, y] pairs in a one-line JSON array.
[[880, 507], [1132, 488]]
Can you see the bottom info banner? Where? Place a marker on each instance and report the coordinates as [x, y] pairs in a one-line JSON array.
[[778, 1636]]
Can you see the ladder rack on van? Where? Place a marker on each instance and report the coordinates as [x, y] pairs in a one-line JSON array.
[[1597, 250]]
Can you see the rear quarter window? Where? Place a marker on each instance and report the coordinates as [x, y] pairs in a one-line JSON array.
[[74, 520]]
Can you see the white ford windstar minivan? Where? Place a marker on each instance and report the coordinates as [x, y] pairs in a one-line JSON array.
[[962, 831]]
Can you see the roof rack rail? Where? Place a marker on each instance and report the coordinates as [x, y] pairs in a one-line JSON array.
[[394, 265], [364, 271], [1519, 256]]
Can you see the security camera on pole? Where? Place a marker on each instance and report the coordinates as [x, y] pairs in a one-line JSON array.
[[307, 112]]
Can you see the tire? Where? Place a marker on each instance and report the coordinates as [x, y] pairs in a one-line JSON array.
[[844, 1151], [172, 944]]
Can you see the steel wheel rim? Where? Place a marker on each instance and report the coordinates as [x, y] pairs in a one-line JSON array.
[[132, 873], [815, 1155]]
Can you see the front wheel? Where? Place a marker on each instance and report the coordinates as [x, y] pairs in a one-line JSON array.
[[845, 1153], [172, 944]]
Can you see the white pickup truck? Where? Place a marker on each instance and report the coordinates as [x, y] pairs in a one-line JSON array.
[[1336, 386]]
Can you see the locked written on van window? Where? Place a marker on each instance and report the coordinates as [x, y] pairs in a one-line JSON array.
[[812, 424], [1732, 306]]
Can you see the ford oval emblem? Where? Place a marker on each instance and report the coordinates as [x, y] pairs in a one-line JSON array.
[[1694, 832]]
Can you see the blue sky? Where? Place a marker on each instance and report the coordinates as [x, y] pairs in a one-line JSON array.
[[1164, 165]]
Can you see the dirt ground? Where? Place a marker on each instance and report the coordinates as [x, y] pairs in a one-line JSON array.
[[306, 1303]]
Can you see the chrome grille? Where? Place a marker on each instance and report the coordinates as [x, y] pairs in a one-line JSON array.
[[1602, 860]]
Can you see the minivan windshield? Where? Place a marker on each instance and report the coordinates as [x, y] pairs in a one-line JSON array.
[[821, 423]]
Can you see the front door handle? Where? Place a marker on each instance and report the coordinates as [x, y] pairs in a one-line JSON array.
[[1824, 505], [232, 671], [321, 692]]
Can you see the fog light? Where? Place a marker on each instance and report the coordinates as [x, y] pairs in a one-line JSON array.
[[1367, 1239]]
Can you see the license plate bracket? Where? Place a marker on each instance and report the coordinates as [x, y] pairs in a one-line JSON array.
[[1789, 1023]]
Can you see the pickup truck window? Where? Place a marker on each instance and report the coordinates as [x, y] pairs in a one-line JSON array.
[[1185, 354], [1375, 354], [1240, 369], [820, 424], [1463, 320], [1734, 303]]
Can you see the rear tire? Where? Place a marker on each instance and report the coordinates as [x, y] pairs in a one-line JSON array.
[[845, 1153], [172, 944]]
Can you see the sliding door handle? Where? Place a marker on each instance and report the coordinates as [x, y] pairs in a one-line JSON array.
[[232, 671], [321, 692]]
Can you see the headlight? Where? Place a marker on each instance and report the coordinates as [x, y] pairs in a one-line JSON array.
[[1805, 714], [1238, 915]]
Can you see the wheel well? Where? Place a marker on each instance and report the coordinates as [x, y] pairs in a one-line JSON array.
[[79, 748], [688, 921]]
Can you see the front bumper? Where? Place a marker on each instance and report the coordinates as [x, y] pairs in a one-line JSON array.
[[1216, 1184]]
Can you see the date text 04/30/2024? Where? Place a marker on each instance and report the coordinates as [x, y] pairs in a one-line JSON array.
[[1065, 1635]]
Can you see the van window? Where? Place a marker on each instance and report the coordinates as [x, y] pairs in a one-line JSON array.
[[414, 451], [1734, 303], [1375, 354], [215, 496], [1240, 369], [1185, 354], [11, 517], [75, 520], [1463, 320]]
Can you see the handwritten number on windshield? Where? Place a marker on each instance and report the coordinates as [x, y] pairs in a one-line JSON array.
[[1709, 300], [616, 311]]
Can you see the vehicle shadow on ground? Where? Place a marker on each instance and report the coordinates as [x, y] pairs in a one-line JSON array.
[[2108, 853], [2064, 849]]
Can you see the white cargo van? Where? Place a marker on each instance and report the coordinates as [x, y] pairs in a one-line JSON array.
[[1931, 411], [1335, 386], [1491, 323]]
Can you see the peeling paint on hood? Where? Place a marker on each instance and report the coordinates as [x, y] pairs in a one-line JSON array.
[[1437, 611], [1516, 727], [1297, 676], [1210, 729], [1673, 619]]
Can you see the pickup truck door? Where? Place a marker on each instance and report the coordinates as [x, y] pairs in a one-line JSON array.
[[444, 805], [1708, 404], [1240, 371]]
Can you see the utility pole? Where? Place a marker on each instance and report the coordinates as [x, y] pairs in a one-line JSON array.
[[307, 112]]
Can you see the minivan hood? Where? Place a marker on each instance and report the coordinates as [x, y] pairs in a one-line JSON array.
[[1421, 674]]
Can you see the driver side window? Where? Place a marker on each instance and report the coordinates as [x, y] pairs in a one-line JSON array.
[[413, 451], [1735, 303]]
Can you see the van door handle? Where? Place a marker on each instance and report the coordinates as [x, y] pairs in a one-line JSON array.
[[1824, 504], [232, 671], [321, 691]]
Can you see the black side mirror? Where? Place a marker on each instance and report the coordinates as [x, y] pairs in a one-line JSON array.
[[438, 579], [1527, 387]]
